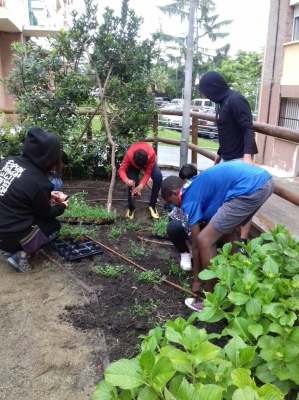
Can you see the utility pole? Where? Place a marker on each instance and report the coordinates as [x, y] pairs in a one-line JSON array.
[[187, 88]]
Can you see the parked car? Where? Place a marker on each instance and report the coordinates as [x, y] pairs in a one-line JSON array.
[[208, 128], [161, 101], [201, 104], [179, 102], [174, 121]]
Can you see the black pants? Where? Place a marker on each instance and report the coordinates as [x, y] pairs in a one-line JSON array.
[[177, 235], [156, 175], [47, 227]]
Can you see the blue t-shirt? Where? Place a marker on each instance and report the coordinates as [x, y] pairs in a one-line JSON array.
[[206, 192]]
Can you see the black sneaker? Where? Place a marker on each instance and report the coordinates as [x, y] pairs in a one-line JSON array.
[[20, 263]]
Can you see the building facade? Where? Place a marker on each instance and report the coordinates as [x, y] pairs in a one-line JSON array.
[[279, 95], [19, 21]]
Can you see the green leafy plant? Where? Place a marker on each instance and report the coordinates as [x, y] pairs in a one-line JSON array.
[[109, 270], [75, 231], [133, 225], [152, 276], [115, 231], [182, 363], [159, 225], [137, 249], [258, 295], [147, 307]]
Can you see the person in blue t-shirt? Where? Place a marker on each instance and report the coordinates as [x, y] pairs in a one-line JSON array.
[[226, 196]]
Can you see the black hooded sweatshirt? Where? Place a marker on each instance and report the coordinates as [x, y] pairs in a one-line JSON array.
[[25, 191], [233, 117]]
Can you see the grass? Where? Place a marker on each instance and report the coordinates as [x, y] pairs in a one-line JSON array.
[[172, 134], [109, 270]]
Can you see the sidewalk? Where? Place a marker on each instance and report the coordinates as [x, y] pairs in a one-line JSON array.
[[275, 208]]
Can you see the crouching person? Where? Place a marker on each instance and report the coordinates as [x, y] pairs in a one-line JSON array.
[[27, 220], [226, 196]]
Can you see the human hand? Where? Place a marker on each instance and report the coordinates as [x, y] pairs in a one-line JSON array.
[[66, 203], [137, 190], [217, 159], [129, 182]]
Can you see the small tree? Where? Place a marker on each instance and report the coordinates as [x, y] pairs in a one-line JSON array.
[[243, 73], [122, 67]]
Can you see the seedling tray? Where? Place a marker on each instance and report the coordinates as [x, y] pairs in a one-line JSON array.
[[76, 221], [73, 249]]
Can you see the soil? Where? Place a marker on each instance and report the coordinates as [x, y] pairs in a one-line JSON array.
[[56, 337]]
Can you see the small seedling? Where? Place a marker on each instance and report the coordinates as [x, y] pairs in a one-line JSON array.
[[109, 270], [146, 307], [160, 225], [135, 226], [115, 231], [137, 249], [173, 266], [152, 276]]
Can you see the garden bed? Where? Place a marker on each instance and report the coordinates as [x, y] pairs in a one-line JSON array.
[[130, 302]]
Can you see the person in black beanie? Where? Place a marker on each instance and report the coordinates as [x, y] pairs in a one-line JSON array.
[[234, 123], [27, 220]]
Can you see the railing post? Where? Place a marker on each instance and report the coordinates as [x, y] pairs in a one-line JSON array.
[[155, 130], [194, 139]]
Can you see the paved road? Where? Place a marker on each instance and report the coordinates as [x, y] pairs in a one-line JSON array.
[[275, 208]]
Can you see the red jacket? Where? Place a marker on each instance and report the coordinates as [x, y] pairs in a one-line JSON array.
[[128, 160]]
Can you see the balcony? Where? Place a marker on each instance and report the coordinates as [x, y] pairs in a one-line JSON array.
[[10, 20], [290, 70]]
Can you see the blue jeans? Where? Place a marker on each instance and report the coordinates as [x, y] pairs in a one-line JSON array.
[[156, 175]]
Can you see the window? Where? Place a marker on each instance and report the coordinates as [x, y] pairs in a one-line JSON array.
[[289, 113]]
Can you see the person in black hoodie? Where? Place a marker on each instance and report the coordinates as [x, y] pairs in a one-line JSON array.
[[234, 123], [27, 220]]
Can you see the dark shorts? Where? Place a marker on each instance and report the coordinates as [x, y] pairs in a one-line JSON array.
[[239, 210]]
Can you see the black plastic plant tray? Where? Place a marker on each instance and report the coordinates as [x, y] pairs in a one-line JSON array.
[[73, 249]]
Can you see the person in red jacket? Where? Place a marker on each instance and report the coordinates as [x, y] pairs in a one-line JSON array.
[[140, 155]]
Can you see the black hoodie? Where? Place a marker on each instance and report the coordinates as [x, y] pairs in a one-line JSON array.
[[25, 191], [233, 117]]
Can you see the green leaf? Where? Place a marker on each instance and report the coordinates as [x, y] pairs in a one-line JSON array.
[[270, 267], [290, 352], [105, 391], [255, 330], [294, 372], [147, 362], [253, 308], [162, 372], [276, 328], [206, 352], [246, 355], [238, 298], [232, 349], [269, 389], [241, 377], [294, 334], [147, 393], [275, 309], [239, 327], [122, 373], [182, 389], [246, 393], [207, 313], [263, 373], [207, 274], [208, 392], [125, 395]]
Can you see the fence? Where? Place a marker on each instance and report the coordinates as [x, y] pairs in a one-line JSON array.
[[266, 129]]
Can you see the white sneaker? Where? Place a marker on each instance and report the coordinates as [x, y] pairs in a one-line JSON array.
[[185, 263]]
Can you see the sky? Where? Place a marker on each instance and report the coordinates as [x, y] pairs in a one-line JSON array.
[[248, 31]]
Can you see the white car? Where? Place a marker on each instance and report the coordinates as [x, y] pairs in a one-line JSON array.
[[174, 121]]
